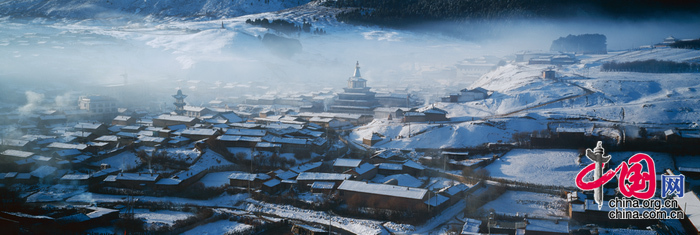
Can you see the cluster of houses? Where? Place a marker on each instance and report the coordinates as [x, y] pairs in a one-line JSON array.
[[67, 147], [352, 180]]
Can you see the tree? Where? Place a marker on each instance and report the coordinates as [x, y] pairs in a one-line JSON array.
[[467, 172], [643, 133]]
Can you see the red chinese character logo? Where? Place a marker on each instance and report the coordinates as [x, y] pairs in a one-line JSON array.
[[641, 185], [632, 182]]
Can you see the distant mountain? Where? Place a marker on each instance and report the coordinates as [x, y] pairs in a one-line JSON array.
[[84, 9], [406, 12]]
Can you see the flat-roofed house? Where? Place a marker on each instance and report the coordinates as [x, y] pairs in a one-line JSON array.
[[365, 171], [344, 164], [137, 180], [124, 120], [383, 196], [306, 179], [171, 120]]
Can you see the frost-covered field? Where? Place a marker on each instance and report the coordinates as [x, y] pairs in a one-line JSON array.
[[545, 167], [357, 226], [219, 227], [558, 167], [534, 204], [224, 200], [161, 216], [450, 135], [216, 179], [126, 160]]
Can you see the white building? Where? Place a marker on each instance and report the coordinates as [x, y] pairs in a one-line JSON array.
[[98, 104]]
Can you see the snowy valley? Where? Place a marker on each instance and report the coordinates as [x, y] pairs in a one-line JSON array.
[[245, 117]]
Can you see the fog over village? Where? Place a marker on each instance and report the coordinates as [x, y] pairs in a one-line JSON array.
[[344, 117]]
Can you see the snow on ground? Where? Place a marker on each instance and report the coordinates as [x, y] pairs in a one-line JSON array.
[[545, 167], [126, 160], [449, 135], [357, 226], [669, 54], [131, 9], [219, 227], [222, 201], [517, 87], [161, 216], [579, 91], [312, 197], [56, 193], [216, 179], [441, 218], [539, 205], [399, 228], [184, 154]]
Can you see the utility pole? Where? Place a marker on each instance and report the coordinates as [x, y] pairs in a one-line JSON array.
[[409, 129]]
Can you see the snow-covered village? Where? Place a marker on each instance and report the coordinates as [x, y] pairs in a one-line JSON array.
[[349, 117]]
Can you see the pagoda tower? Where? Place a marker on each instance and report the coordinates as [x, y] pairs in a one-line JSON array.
[[357, 98], [179, 102]]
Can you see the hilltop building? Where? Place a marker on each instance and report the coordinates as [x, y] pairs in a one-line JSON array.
[[357, 98]]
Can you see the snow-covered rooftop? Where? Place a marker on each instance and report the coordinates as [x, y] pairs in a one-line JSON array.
[[175, 118], [322, 185], [402, 180], [414, 165], [17, 153], [312, 176], [122, 118], [107, 138], [691, 207], [390, 166], [287, 175], [43, 171], [75, 177], [137, 177], [436, 200], [471, 226], [455, 189], [364, 168], [347, 162], [199, 131], [383, 189], [242, 176], [59, 145], [87, 126], [272, 183], [247, 132]]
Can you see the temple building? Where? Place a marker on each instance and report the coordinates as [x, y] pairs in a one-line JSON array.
[[179, 102], [357, 98]]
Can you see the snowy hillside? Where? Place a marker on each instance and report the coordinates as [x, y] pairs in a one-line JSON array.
[[579, 92], [85, 9]]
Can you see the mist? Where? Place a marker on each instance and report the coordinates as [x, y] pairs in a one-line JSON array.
[[144, 62]]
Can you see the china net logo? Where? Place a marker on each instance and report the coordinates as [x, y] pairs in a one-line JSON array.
[[636, 182]]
